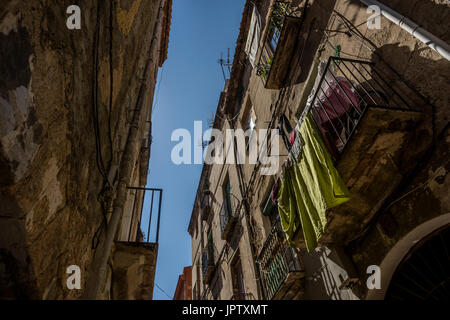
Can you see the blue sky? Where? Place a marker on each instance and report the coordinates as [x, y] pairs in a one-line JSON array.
[[190, 84]]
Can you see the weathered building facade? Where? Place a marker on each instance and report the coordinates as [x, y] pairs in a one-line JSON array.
[[183, 290], [75, 121], [379, 97]]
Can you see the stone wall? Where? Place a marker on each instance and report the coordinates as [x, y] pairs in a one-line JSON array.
[[54, 83], [133, 275]]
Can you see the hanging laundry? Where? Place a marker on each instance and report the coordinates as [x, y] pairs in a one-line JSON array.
[[335, 109], [288, 209], [308, 189], [292, 138], [285, 130], [296, 147], [337, 100], [274, 192]]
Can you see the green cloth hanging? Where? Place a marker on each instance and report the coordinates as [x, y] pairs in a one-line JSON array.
[[309, 188]]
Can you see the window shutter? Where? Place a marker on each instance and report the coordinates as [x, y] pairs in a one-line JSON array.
[[253, 37]]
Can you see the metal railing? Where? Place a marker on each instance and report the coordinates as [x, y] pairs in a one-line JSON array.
[[345, 91], [206, 205], [139, 204], [276, 261], [208, 263]]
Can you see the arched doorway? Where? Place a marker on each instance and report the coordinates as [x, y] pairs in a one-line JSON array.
[[424, 273], [402, 255]]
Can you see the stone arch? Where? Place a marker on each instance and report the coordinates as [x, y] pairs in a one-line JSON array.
[[401, 250]]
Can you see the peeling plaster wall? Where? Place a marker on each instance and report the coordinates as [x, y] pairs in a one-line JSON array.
[[134, 271], [424, 197], [49, 181]]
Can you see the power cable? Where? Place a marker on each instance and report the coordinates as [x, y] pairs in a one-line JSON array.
[[162, 290], [111, 82], [103, 196], [157, 91]]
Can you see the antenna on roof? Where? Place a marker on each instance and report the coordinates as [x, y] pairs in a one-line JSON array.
[[203, 143], [226, 65], [211, 120]]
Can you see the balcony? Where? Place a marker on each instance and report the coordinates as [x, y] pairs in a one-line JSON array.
[[134, 268], [228, 217], [375, 128], [205, 205], [135, 254], [137, 219], [280, 44], [208, 264], [281, 273]]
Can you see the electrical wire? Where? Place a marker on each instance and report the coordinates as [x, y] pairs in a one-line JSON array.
[[162, 290], [111, 83], [96, 123], [157, 91], [99, 158], [426, 183]]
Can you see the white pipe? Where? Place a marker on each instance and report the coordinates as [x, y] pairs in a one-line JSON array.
[[413, 28]]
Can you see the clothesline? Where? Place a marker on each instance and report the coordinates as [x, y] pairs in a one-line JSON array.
[[309, 188]]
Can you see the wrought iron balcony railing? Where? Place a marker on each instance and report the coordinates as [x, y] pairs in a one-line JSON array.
[[206, 205], [276, 261], [367, 117], [150, 199], [208, 263], [346, 89]]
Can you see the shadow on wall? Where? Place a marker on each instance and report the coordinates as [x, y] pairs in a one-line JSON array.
[[429, 77], [325, 273], [317, 15], [433, 15], [17, 280]]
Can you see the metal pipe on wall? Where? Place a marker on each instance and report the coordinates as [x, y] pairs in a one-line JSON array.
[[102, 254], [413, 28]]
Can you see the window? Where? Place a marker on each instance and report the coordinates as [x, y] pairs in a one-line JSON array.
[[194, 293], [197, 287], [251, 123], [249, 117], [275, 37], [227, 195], [248, 122], [253, 37], [269, 209]]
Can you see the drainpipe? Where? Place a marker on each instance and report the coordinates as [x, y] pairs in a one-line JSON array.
[[99, 266], [413, 28]]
